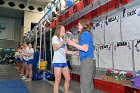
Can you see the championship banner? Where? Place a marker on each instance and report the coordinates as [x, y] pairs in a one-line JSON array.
[[98, 32], [131, 24], [122, 54], [112, 29], [105, 56]]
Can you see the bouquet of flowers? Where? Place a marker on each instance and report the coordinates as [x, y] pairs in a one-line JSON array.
[[109, 72], [129, 75], [68, 35], [120, 75]]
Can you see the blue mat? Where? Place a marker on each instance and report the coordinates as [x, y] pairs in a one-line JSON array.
[[13, 86]]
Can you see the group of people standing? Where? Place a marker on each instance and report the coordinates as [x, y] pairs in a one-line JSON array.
[[24, 59], [85, 45]]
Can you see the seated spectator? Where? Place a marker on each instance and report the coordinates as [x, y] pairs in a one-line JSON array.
[[53, 14], [69, 3], [63, 4], [57, 12]]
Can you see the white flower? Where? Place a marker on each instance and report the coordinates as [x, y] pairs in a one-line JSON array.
[[122, 72], [69, 33], [116, 72]]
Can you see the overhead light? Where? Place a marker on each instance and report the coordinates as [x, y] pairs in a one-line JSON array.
[[40, 9], [31, 7], [2, 2], [12, 4], [21, 6]]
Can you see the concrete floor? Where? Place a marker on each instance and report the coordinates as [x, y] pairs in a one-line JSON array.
[[10, 72]]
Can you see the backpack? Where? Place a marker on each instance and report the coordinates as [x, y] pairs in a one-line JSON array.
[[37, 74]]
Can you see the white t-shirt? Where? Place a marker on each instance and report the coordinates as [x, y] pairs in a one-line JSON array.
[[24, 52], [60, 54], [32, 52], [17, 55], [63, 4]]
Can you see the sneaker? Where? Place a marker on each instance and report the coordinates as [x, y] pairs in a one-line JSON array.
[[27, 80], [23, 78], [21, 74]]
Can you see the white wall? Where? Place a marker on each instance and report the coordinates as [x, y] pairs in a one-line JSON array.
[[31, 17]]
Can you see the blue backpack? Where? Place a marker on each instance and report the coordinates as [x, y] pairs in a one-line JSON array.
[[37, 74]]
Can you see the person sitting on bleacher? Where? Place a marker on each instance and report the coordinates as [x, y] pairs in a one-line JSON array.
[[69, 3]]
